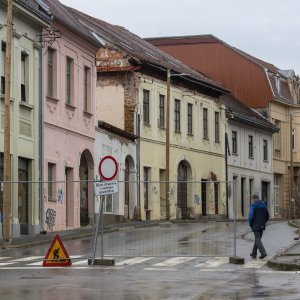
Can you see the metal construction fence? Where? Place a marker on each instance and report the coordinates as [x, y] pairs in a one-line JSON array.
[[190, 220]]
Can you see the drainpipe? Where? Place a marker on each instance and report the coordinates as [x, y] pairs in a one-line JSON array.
[[226, 174], [41, 139], [138, 158], [168, 146], [291, 215]]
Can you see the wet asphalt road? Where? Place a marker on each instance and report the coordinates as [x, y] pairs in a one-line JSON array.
[[157, 276]]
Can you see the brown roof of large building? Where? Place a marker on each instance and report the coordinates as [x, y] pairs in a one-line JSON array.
[[141, 50], [271, 70]]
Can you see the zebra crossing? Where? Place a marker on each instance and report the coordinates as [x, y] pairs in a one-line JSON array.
[[146, 263]]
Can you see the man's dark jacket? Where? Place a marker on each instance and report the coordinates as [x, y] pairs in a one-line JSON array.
[[258, 215]]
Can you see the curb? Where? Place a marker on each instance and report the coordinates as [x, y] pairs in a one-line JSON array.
[[285, 266], [280, 266], [292, 223]]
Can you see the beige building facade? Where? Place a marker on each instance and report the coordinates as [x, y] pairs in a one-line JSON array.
[[25, 114]]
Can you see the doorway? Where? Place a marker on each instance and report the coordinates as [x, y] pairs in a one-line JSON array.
[[203, 196], [23, 194], [69, 188], [129, 188], [86, 175], [162, 194], [184, 172], [265, 191]]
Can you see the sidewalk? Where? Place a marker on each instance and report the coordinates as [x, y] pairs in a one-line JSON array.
[[87, 231], [288, 260]]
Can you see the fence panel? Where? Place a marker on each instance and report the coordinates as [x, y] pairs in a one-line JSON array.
[[191, 220]]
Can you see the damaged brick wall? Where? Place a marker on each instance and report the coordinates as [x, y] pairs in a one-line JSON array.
[[114, 69], [111, 58], [130, 82]]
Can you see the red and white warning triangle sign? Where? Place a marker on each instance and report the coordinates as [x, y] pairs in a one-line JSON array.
[[57, 256]]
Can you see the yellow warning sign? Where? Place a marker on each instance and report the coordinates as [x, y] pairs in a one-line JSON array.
[[57, 256]]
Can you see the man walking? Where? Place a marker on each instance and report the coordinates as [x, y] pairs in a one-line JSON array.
[[258, 217]]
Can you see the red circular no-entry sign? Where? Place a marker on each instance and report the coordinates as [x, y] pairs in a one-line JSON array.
[[108, 168]]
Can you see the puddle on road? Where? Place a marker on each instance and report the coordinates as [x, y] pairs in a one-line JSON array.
[[249, 286]]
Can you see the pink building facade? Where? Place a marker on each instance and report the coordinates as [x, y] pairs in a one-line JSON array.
[[69, 126]]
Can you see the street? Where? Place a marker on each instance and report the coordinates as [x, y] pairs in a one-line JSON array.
[[153, 276]]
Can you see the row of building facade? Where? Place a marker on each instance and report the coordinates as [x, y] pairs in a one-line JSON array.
[[83, 89]]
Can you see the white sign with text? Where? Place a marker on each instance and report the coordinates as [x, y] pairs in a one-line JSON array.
[[106, 187]]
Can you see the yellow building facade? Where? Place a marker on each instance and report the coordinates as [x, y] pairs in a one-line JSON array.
[[197, 155]]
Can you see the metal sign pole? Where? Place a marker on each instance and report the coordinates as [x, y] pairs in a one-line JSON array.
[[102, 228], [234, 218], [96, 234]]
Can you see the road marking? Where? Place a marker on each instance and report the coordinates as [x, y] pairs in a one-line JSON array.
[[76, 256], [80, 262], [173, 261], [160, 269], [133, 261], [254, 264], [7, 263], [214, 262], [48, 268], [149, 269], [164, 265], [27, 258], [39, 263]]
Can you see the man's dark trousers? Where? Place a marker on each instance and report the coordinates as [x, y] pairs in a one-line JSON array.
[[258, 244]]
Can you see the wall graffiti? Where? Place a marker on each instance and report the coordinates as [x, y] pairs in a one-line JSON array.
[[50, 218], [60, 196], [196, 199]]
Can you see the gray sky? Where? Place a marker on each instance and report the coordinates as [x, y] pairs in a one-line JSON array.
[[266, 29]]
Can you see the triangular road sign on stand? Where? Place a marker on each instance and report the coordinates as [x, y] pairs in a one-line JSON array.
[[57, 256]]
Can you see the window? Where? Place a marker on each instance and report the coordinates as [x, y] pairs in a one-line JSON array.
[[146, 105], [265, 150], [86, 89], [50, 72], [293, 138], [277, 82], [161, 111], [190, 118], [217, 127], [69, 80], [234, 142], [24, 76], [3, 55], [250, 146], [51, 178], [108, 204], [146, 187], [177, 115], [205, 123], [277, 137]]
